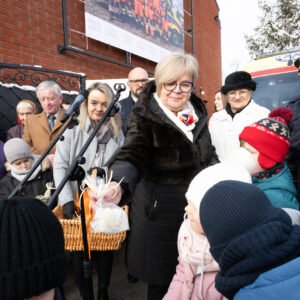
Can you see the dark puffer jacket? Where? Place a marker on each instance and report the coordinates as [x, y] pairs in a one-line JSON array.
[[33, 188], [158, 162]]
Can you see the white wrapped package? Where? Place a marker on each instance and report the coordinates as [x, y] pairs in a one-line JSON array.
[[109, 218]]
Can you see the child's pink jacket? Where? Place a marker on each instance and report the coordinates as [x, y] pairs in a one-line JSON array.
[[196, 270]]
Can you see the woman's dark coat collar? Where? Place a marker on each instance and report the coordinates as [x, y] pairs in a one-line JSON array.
[[146, 106]]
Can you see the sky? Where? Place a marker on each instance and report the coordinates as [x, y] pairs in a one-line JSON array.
[[238, 17]]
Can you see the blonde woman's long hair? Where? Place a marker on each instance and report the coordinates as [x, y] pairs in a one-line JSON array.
[[104, 88]]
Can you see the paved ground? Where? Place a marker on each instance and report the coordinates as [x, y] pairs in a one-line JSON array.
[[120, 288]]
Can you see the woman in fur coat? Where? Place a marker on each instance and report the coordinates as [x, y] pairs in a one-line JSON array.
[[167, 144]]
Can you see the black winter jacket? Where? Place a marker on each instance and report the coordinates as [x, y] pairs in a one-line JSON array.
[[294, 153], [126, 107], [32, 188]]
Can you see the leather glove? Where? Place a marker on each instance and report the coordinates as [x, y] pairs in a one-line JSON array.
[[68, 210]]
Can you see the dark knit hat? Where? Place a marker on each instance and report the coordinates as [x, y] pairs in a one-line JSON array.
[[270, 137], [231, 208], [32, 256], [238, 80]]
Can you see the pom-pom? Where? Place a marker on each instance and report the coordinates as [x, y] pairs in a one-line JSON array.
[[284, 113]]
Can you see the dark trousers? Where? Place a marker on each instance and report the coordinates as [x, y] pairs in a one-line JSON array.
[[102, 262], [156, 292]]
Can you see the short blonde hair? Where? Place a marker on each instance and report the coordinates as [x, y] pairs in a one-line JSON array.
[[107, 91], [173, 66]]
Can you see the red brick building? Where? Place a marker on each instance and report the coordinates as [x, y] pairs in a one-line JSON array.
[[36, 33]]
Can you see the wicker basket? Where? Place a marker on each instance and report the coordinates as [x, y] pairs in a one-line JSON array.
[[98, 241]]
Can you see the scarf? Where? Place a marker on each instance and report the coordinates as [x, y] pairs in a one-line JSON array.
[[193, 248], [261, 249], [103, 136], [20, 174], [185, 119], [270, 172]]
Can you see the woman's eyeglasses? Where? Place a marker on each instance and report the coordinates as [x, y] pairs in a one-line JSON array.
[[185, 86]]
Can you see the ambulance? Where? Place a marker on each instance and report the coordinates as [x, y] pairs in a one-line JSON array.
[[278, 80]]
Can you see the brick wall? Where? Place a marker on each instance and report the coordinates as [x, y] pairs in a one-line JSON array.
[[208, 49], [30, 32]]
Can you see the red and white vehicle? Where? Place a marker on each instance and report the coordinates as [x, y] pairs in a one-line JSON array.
[[278, 80]]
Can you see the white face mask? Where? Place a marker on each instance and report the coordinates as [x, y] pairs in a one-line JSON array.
[[20, 174]]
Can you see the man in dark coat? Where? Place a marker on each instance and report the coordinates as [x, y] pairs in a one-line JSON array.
[[137, 78], [293, 157]]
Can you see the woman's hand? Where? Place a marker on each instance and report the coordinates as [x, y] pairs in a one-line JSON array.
[[113, 193]]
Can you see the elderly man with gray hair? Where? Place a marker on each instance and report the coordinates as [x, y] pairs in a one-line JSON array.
[[41, 129]]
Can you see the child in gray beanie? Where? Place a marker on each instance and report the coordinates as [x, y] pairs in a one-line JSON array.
[[20, 160]]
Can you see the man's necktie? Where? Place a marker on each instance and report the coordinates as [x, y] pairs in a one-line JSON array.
[[51, 121]]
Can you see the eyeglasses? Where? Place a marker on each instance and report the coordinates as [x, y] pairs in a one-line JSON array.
[[137, 81], [185, 86]]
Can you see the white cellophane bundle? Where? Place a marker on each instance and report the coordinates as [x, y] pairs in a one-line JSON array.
[[108, 216]]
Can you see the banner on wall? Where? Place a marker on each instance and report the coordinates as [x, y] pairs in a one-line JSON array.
[[147, 28]]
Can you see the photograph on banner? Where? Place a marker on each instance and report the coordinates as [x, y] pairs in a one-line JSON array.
[[147, 28]]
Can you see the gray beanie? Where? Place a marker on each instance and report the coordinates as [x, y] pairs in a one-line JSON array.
[[16, 148]]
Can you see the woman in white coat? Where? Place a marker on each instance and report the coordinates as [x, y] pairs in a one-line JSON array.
[[108, 139], [240, 111]]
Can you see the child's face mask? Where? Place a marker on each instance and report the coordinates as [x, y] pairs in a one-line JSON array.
[[23, 164], [255, 153], [193, 215]]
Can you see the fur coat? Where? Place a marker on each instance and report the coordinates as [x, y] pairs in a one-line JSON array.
[[158, 162]]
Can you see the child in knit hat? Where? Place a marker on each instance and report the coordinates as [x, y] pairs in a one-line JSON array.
[[32, 255], [20, 159], [255, 244], [268, 140], [196, 271]]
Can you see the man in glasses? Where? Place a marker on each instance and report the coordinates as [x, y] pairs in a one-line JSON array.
[[137, 78]]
